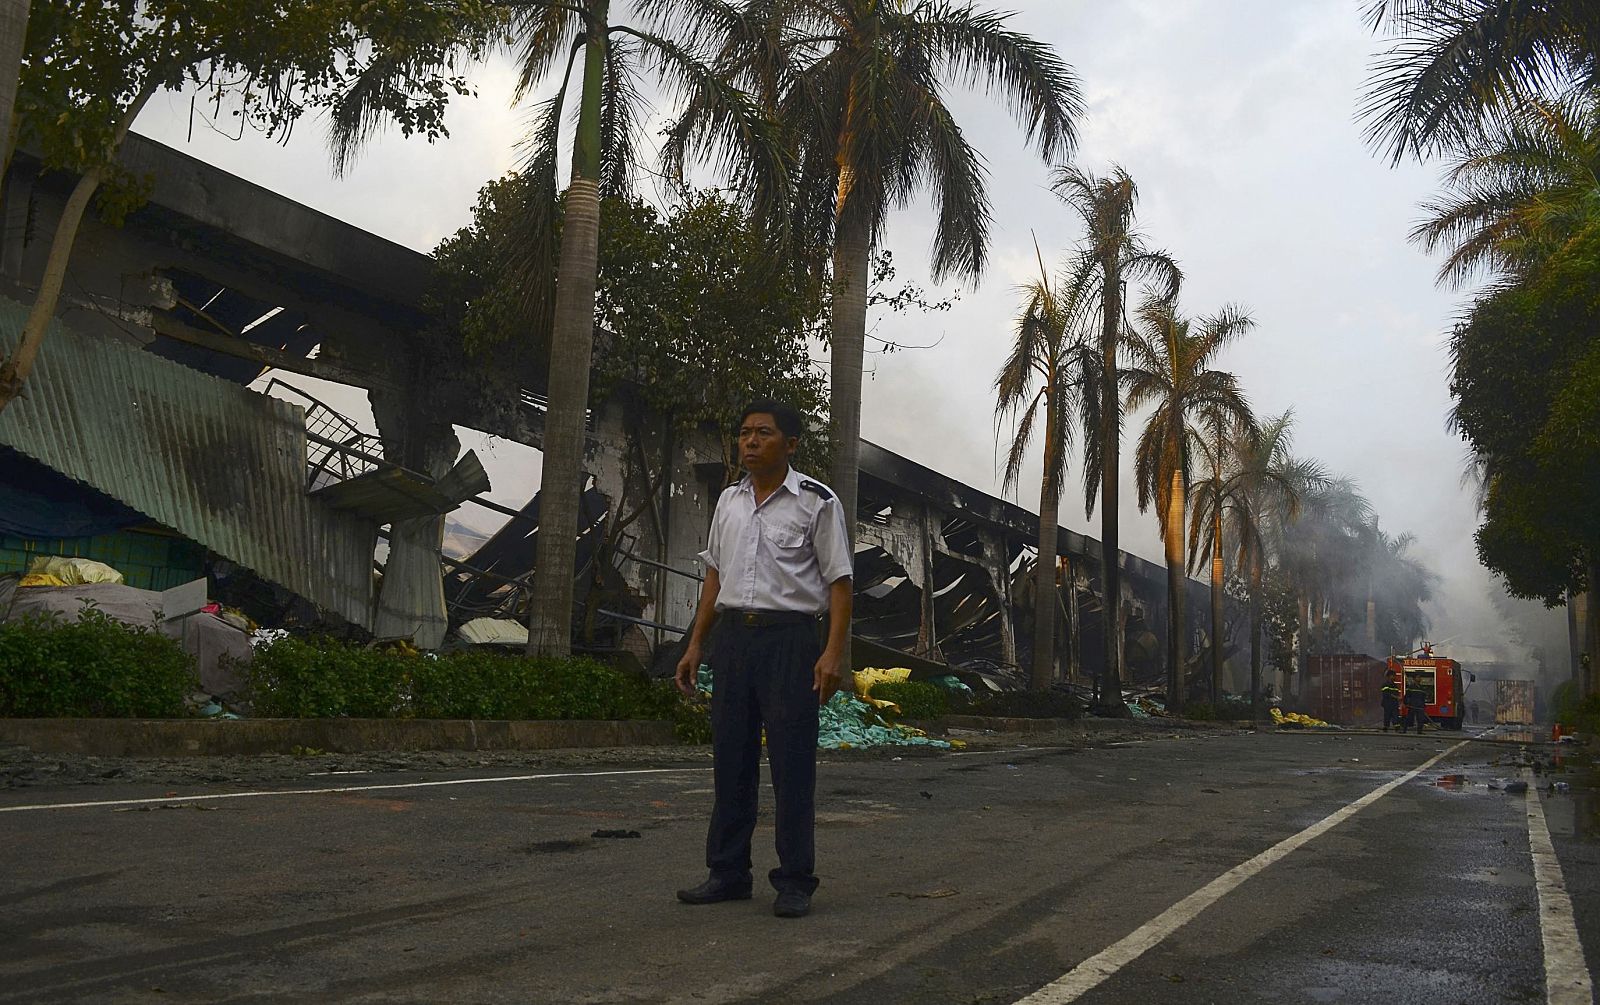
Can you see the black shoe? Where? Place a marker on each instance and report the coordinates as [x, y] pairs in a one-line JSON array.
[[714, 891], [792, 904]]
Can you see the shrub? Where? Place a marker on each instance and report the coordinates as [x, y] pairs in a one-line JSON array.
[[1580, 714], [322, 678], [917, 699], [691, 720], [1025, 705], [91, 667], [319, 677], [1201, 711]]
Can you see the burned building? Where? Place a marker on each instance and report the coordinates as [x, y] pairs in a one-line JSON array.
[[140, 441]]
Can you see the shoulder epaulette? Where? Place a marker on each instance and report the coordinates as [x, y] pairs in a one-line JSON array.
[[811, 486]]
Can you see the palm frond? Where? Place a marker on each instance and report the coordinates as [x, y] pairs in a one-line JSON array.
[[1042, 89]]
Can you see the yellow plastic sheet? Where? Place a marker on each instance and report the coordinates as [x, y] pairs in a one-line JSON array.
[[41, 579], [1279, 716], [74, 571], [866, 679]]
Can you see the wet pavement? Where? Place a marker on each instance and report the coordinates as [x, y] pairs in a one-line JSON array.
[[970, 878]]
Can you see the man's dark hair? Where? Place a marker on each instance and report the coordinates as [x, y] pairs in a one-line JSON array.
[[786, 416]]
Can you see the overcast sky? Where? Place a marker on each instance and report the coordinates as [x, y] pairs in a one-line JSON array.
[[1237, 120]]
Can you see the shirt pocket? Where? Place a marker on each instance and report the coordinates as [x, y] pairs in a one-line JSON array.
[[786, 536]]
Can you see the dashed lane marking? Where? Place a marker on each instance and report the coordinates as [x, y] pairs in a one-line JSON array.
[[1097, 968], [256, 793], [1566, 976]]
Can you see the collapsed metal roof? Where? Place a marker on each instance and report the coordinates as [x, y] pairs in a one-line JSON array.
[[214, 461]]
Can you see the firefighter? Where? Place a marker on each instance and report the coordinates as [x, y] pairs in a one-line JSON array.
[[1415, 702], [1391, 704]]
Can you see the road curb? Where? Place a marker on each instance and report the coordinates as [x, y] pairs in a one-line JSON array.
[[206, 737]]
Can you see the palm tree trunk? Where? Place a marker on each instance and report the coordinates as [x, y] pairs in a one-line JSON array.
[[852, 252], [14, 371], [1591, 683], [1258, 709], [1177, 696], [1074, 625], [571, 351], [1217, 571], [1045, 589], [1110, 473], [13, 35], [851, 259]]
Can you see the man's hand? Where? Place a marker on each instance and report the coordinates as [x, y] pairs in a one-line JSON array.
[[688, 666], [826, 677]]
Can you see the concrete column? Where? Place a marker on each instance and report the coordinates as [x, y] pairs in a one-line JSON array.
[[996, 561], [410, 602], [927, 625], [1074, 620]]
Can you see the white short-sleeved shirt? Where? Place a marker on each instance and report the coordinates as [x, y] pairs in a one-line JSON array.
[[783, 554]]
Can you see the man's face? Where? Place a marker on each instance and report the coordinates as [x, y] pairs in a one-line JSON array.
[[762, 445]]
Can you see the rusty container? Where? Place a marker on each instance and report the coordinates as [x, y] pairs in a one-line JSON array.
[[1344, 688]]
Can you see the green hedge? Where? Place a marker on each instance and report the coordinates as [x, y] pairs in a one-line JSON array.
[[1582, 715], [91, 667], [1023, 705], [917, 699], [320, 678]]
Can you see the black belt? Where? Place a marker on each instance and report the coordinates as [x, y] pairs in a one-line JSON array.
[[766, 619]]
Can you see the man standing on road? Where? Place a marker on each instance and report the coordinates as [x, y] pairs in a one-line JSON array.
[[777, 558], [1391, 705], [1416, 703]]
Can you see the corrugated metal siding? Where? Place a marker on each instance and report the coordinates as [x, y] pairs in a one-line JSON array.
[[219, 463], [1345, 688]]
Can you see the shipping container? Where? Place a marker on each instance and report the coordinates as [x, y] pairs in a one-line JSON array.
[[1513, 702], [1344, 688]]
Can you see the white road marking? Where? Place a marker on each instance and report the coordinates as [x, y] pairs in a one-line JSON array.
[[489, 780], [1566, 976], [1097, 968]]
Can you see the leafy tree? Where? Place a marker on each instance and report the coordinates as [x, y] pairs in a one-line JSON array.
[[1170, 368], [1459, 67], [693, 326], [1522, 194], [857, 87], [1523, 363], [90, 66], [1111, 253], [13, 32], [1040, 386]]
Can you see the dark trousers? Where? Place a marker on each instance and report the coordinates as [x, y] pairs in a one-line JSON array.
[[763, 676], [1414, 715], [1391, 714]]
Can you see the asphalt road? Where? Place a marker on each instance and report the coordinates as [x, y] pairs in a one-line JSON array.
[[952, 878]]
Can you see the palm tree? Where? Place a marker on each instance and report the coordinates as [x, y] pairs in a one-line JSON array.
[[858, 88], [1397, 585], [13, 31], [1318, 550], [1218, 444], [1257, 484], [1521, 194], [1169, 368], [1461, 66], [1112, 253], [548, 35], [1048, 366]]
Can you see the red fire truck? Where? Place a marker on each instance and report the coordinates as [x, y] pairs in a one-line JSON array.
[[1439, 679]]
